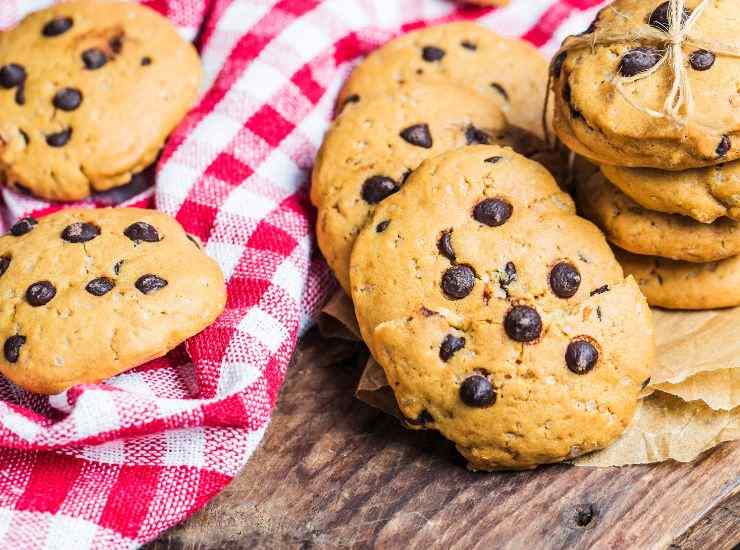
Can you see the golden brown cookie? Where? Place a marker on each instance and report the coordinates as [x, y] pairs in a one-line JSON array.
[[373, 146], [594, 119], [510, 71], [500, 317], [89, 92], [642, 231], [704, 194], [684, 285], [87, 294]]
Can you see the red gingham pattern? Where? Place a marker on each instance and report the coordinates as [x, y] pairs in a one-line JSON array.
[[113, 465]]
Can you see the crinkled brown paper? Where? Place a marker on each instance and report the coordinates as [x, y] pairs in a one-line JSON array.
[[692, 403]]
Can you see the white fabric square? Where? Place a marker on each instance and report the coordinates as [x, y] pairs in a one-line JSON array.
[[95, 412], [265, 328], [67, 533], [185, 447]]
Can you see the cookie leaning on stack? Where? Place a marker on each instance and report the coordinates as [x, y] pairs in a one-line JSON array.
[[88, 95], [668, 186], [88, 294]]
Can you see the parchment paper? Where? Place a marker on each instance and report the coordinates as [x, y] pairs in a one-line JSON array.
[[692, 403]]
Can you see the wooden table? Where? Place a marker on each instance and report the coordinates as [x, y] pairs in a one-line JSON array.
[[334, 473]]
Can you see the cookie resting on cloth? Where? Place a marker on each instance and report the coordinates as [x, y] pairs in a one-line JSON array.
[[500, 318], [643, 231], [88, 95], [595, 120], [87, 294], [509, 71]]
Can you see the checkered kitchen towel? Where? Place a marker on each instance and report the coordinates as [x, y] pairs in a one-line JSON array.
[[113, 465]]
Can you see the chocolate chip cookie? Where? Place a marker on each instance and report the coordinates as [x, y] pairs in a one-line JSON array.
[[510, 71], [500, 317], [87, 294], [373, 146], [684, 285], [88, 95], [704, 194], [594, 119], [642, 231]]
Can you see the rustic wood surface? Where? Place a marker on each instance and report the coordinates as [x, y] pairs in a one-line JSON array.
[[334, 473]]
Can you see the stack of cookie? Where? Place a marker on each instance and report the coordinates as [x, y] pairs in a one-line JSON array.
[[500, 318], [650, 93], [89, 94]]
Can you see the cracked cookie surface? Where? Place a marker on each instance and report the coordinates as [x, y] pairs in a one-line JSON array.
[[642, 231], [595, 120], [684, 285], [373, 146], [509, 71], [88, 95], [704, 194], [87, 294], [500, 318]]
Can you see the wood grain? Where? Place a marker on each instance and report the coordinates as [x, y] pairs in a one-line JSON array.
[[334, 473]]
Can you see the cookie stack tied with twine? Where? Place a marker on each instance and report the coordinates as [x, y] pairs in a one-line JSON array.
[[650, 92]]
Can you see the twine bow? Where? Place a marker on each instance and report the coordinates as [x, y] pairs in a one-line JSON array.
[[678, 106]]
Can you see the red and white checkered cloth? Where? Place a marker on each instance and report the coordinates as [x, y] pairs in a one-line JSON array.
[[113, 465]]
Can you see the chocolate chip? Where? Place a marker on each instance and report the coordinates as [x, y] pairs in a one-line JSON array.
[[146, 61], [94, 58], [581, 356], [23, 226], [444, 245], [473, 135], [557, 64], [645, 382], [100, 286], [493, 160], [432, 53], [40, 293], [20, 94], [406, 175], [59, 139], [67, 99], [12, 75], [12, 348], [468, 45], [57, 26], [701, 60], [523, 324], [376, 188], [117, 267], [638, 60], [458, 281], [724, 146], [508, 276], [116, 43], [493, 212], [142, 231], [80, 232], [382, 226], [565, 280], [659, 18], [418, 135], [450, 345], [600, 290], [150, 283], [477, 391], [500, 89], [4, 264]]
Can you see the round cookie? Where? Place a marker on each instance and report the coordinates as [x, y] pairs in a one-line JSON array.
[[704, 194], [595, 120], [508, 70], [88, 95], [373, 146], [500, 318], [642, 231], [683, 285], [87, 294]]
